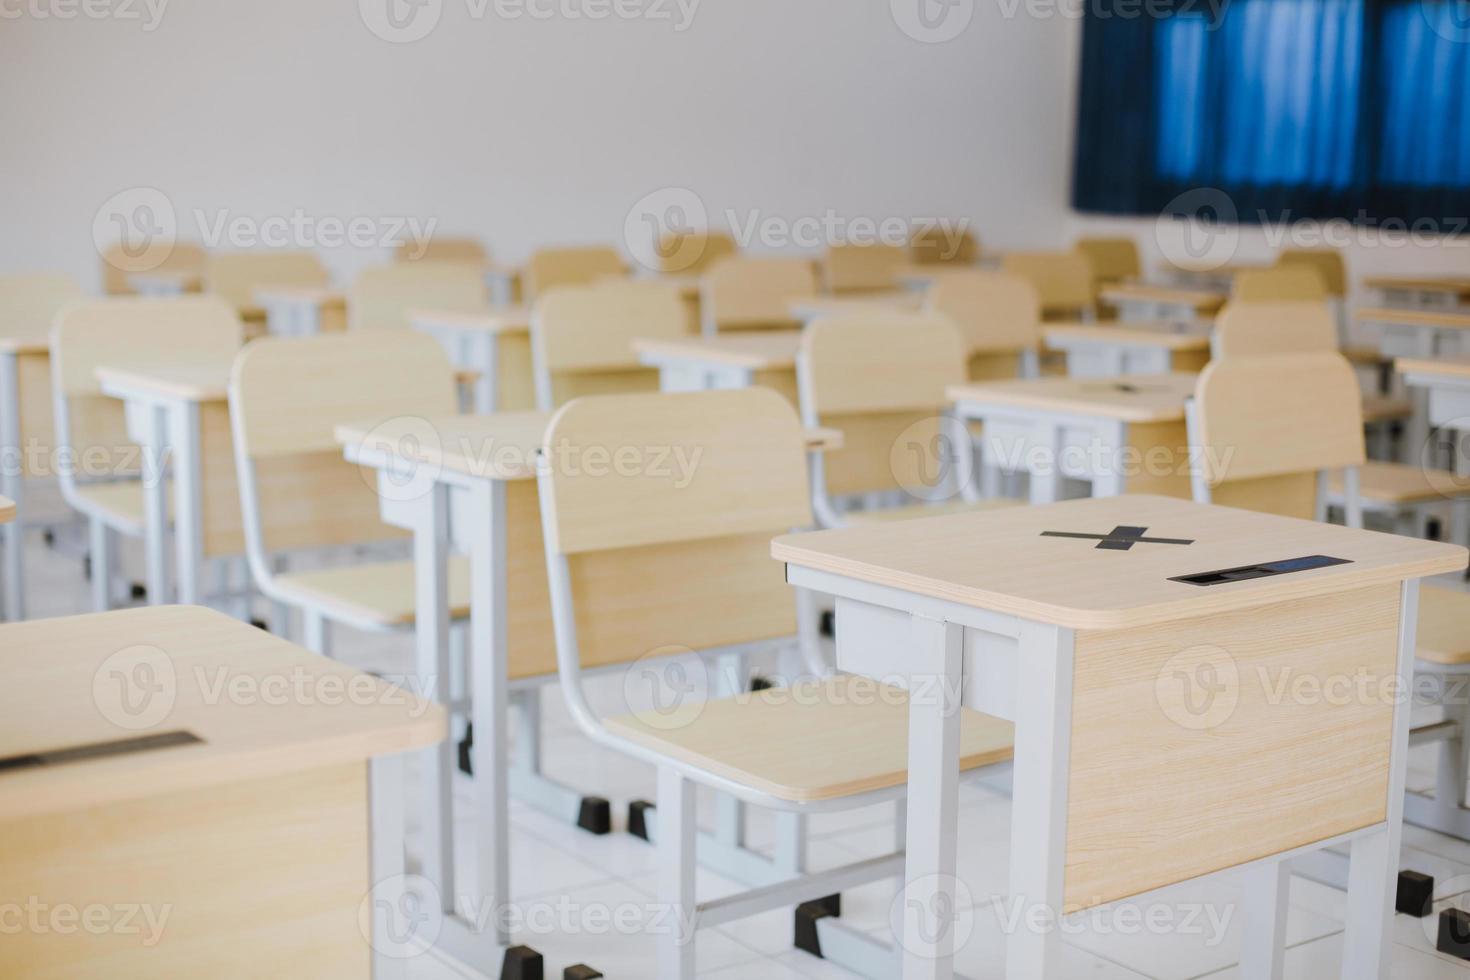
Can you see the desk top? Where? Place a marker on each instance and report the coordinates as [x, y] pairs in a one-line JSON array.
[[809, 309], [321, 296], [184, 281], [24, 345], [1007, 562], [1200, 300], [1444, 367], [261, 705], [500, 446], [1421, 284], [7, 510], [1128, 397], [504, 319], [758, 350], [189, 380], [1446, 319], [1147, 333]]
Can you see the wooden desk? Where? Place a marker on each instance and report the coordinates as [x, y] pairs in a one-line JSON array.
[[496, 345], [25, 425], [1123, 433], [1420, 335], [181, 408], [1444, 291], [481, 469], [1124, 779], [729, 360], [1137, 301], [250, 837], [808, 310], [1442, 388], [7, 510], [1134, 347], [302, 311], [162, 282]]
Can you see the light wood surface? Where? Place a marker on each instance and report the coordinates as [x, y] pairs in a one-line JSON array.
[[1452, 367], [583, 337], [935, 247], [853, 734], [873, 302], [381, 297], [443, 248], [1203, 302], [235, 276], [1458, 285], [1203, 793], [1112, 259], [7, 510], [323, 297], [1279, 284], [1002, 561], [548, 268], [765, 351], [496, 319], [1405, 483], [870, 268], [1248, 328], [202, 379], [692, 252], [1126, 332], [28, 304], [180, 259], [379, 592], [1443, 615], [998, 312], [1129, 398], [64, 674], [1438, 319], [741, 293], [1063, 280], [1328, 263]]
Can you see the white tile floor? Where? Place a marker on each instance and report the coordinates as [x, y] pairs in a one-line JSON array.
[[584, 898]]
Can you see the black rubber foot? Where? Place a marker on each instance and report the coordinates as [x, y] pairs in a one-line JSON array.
[[466, 762], [522, 963], [828, 627], [580, 972], [761, 684], [260, 625], [1454, 933], [49, 536], [637, 818], [138, 590], [807, 914], [1415, 894], [1434, 529], [87, 568], [595, 816]]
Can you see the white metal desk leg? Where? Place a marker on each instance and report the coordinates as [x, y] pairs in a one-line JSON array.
[[1039, 795], [1112, 478], [1373, 865], [12, 485], [1267, 886], [488, 704], [392, 920], [155, 507], [676, 874], [928, 896], [431, 633], [188, 499], [1046, 485], [488, 381]]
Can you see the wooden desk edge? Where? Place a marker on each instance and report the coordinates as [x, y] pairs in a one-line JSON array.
[[125, 382], [491, 321]]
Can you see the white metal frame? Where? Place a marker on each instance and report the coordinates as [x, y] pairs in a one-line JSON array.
[[472, 350], [12, 485], [1046, 429]]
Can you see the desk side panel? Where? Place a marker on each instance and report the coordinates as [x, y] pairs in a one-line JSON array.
[[1237, 736]]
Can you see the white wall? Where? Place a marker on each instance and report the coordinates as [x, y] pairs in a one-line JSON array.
[[526, 131]]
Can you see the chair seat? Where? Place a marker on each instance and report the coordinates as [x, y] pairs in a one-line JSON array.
[[381, 593], [1380, 408], [823, 740], [1444, 626], [912, 511], [118, 505], [1402, 483]]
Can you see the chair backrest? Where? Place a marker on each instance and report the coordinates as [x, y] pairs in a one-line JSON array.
[[881, 379], [548, 268], [673, 551], [382, 296], [741, 293], [443, 249], [119, 262], [998, 313], [937, 244], [124, 332], [871, 268], [583, 335], [1294, 327], [235, 276], [1113, 259], [1279, 283], [1265, 426], [286, 397], [1328, 262], [1063, 280], [691, 253]]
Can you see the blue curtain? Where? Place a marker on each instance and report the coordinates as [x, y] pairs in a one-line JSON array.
[[1357, 109]]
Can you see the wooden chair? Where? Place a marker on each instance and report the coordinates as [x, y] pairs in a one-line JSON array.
[[1328, 263], [881, 379], [1114, 260], [381, 296], [582, 338], [936, 245], [235, 276], [121, 332], [297, 492], [1289, 283], [1267, 434], [742, 293], [851, 270], [693, 253], [999, 316], [548, 268], [444, 249], [640, 566], [118, 265], [1063, 281]]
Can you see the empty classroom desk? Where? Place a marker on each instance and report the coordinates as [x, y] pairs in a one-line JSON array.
[[1137, 301], [1418, 334], [242, 796], [1091, 625], [1135, 347], [727, 360], [1443, 384], [300, 311], [495, 345], [1123, 433], [1444, 291]]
